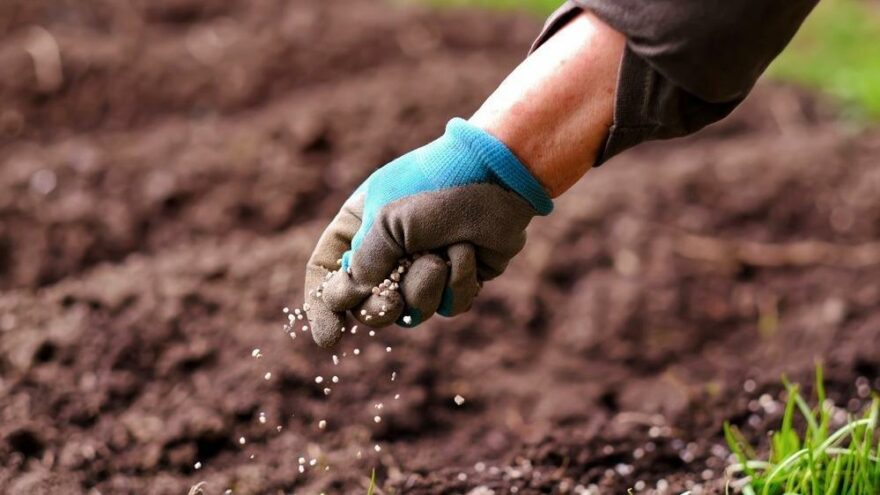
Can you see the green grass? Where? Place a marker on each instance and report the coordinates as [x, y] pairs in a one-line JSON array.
[[811, 459], [372, 487], [837, 51]]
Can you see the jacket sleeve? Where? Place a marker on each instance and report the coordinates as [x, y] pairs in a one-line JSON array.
[[688, 63]]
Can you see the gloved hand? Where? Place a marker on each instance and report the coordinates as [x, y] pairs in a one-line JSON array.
[[458, 207]]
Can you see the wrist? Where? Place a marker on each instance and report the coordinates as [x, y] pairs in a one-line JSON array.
[[524, 146], [501, 162]]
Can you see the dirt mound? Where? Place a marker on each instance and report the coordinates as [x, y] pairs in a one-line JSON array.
[[157, 210]]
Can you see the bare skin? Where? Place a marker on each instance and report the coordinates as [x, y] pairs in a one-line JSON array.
[[554, 110]]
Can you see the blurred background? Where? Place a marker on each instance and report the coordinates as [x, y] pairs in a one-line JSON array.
[[167, 165]]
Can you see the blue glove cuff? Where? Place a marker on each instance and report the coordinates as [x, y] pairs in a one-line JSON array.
[[503, 163]]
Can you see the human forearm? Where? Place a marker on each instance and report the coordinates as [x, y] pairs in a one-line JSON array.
[[555, 109]]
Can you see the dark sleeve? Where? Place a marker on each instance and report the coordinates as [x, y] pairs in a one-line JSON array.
[[687, 63]]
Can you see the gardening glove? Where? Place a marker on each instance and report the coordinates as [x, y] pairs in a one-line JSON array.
[[457, 207]]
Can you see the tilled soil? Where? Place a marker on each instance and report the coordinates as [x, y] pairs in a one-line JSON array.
[[158, 204]]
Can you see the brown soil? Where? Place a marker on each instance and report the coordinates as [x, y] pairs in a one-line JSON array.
[[157, 208]]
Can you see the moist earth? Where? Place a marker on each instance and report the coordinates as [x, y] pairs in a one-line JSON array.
[[161, 191]]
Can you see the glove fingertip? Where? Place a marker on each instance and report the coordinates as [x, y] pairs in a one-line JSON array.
[[446, 303], [326, 327]]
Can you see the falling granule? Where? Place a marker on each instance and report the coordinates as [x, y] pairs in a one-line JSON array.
[[335, 379], [407, 319], [393, 375], [286, 310], [322, 424], [354, 329], [388, 349], [242, 440], [305, 328], [302, 469], [377, 448], [319, 379], [336, 360], [363, 312], [462, 477], [373, 332], [252, 456], [326, 390], [302, 460], [228, 491], [359, 454], [256, 353], [356, 352], [379, 405], [267, 376], [279, 428], [262, 418], [377, 419], [396, 396], [197, 465], [313, 462], [292, 335], [459, 400]]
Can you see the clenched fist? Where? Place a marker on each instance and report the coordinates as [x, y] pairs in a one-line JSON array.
[[457, 207]]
